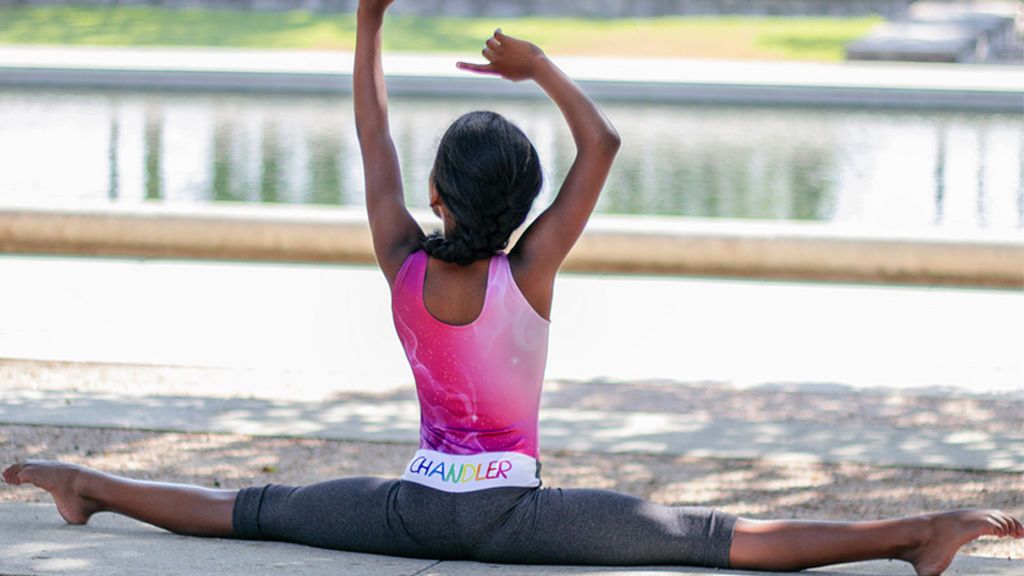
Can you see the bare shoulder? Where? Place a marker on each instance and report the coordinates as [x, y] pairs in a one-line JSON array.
[[535, 282], [392, 261]]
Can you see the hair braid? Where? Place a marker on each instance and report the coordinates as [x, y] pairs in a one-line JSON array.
[[487, 173]]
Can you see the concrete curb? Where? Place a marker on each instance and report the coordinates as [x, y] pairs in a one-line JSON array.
[[888, 85], [611, 244]]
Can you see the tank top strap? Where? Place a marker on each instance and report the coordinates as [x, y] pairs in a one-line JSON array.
[[513, 301], [500, 281], [409, 282]]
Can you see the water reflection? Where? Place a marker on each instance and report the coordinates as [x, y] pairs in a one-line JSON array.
[[114, 185], [325, 158], [1020, 179], [154, 152], [220, 188], [940, 171], [873, 168], [270, 156]]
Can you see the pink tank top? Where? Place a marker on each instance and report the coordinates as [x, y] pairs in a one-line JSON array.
[[478, 384]]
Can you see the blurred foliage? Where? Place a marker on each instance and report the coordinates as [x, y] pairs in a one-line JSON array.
[[671, 37]]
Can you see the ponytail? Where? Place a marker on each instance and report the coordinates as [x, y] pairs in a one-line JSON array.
[[454, 249]]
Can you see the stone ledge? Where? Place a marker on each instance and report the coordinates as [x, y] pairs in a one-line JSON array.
[[627, 244]]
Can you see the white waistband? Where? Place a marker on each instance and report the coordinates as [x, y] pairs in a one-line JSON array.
[[466, 473]]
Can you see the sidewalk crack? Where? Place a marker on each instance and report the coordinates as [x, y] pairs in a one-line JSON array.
[[418, 572]]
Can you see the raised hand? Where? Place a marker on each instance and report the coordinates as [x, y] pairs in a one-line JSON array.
[[375, 7], [508, 57]]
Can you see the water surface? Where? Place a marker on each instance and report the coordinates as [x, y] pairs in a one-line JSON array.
[[879, 169]]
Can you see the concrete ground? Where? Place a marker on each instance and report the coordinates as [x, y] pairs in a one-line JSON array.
[[35, 541], [631, 417]]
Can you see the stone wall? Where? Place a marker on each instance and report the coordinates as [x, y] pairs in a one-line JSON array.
[[597, 8]]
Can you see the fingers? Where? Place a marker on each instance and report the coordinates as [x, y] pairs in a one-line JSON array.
[[492, 48], [478, 68]]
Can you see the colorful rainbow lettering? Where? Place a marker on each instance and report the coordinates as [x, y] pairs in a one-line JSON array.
[[453, 473]]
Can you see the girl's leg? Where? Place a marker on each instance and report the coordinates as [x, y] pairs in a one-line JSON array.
[[599, 527], [358, 514], [79, 492], [928, 542], [579, 526]]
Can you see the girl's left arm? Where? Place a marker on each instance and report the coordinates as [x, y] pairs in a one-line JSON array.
[[395, 233]]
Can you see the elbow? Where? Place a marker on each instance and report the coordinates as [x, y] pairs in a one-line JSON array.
[[609, 142], [601, 146]]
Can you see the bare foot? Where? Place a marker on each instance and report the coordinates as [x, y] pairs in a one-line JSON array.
[[943, 534], [63, 481]]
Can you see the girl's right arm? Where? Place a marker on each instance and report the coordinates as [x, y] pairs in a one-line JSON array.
[[547, 241], [395, 233]]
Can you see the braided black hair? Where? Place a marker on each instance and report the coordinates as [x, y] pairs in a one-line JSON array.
[[488, 174]]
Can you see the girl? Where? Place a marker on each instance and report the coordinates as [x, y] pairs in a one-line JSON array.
[[474, 324]]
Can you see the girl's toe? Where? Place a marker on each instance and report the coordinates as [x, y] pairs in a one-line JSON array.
[[10, 472]]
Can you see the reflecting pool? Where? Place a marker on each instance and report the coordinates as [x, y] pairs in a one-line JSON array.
[[881, 169]]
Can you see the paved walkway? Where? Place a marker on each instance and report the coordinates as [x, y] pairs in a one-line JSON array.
[[846, 84], [645, 417], [676, 428], [34, 540]]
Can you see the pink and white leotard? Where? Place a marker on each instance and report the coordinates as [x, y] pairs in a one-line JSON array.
[[478, 384]]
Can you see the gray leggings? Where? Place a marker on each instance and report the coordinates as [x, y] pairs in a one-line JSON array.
[[505, 525]]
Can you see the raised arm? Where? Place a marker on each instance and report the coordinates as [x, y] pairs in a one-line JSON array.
[[395, 232], [546, 242]]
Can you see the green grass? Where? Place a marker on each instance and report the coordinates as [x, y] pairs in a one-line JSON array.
[[672, 37]]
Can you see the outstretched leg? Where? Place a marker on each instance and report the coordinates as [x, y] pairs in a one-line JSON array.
[[928, 542], [79, 492], [597, 527]]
